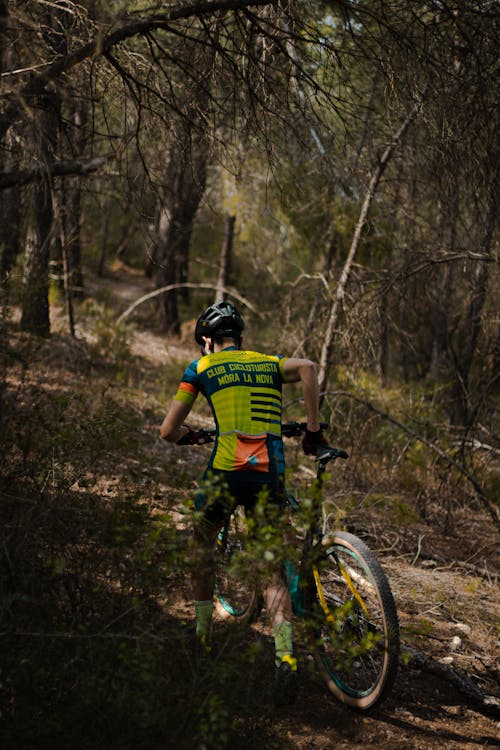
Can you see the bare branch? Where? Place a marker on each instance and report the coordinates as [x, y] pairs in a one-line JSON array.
[[188, 285], [103, 43], [416, 659], [55, 169], [356, 240], [480, 494]]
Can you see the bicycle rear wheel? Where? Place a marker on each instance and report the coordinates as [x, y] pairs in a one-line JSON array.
[[356, 624], [236, 595]]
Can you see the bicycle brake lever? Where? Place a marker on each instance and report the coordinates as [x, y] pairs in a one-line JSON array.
[[326, 454]]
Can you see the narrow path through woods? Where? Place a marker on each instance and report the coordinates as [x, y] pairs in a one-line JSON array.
[[445, 585]]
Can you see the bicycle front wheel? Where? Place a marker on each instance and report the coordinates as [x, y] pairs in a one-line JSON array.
[[236, 596], [356, 624]]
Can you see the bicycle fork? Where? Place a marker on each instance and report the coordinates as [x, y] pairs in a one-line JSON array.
[[321, 594]]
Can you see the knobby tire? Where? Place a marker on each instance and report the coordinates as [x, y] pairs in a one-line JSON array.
[[236, 596], [355, 624]]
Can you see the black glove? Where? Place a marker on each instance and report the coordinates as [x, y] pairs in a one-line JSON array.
[[191, 438], [313, 442]]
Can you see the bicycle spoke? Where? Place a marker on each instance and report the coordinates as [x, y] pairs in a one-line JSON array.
[[354, 622]]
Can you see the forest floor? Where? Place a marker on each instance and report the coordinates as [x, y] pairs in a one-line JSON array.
[[444, 578]]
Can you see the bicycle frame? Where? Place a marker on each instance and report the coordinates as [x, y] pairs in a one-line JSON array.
[[299, 581], [341, 588]]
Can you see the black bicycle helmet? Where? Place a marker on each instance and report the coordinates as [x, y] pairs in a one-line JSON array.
[[221, 319]]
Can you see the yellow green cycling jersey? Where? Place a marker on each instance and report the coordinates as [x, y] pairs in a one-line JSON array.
[[243, 389]]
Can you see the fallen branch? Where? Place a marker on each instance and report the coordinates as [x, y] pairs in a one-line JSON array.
[[415, 659], [477, 570], [190, 285]]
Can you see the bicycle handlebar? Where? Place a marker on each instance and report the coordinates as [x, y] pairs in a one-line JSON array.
[[288, 429], [206, 436], [295, 429]]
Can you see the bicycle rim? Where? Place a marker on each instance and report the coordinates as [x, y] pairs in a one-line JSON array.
[[235, 591], [356, 625]]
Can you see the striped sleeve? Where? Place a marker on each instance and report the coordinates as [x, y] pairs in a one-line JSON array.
[[188, 387]]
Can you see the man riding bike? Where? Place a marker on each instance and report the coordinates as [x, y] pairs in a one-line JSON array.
[[243, 389]]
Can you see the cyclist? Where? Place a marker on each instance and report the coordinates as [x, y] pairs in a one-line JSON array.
[[243, 389]]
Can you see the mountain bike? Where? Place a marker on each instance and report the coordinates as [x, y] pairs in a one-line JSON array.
[[338, 587]]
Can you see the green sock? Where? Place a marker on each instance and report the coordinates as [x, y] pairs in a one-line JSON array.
[[203, 618], [283, 641]]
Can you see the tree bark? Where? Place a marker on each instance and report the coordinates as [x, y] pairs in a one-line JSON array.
[[441, 360], [383, 340], [72, 243], [10, 205], [177, 213], [10, 221], [72, 201], [186, 171], [35, 306], [35, 303], [461, 413]]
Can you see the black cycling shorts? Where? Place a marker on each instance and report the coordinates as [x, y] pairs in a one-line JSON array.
[[220, 494]]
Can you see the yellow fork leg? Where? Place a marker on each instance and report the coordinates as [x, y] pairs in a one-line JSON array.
[[352, 587], [321, 594]]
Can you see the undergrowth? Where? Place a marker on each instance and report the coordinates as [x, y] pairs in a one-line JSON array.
[[90, 553], [89, 556]]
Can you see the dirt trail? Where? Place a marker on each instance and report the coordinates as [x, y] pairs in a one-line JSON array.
[[446, 588]]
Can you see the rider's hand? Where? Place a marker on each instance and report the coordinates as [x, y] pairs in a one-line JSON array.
[[190, 438], [313, 442]]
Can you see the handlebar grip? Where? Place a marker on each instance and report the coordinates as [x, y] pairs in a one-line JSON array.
[[340, 453], [295, 429], [205, 436]]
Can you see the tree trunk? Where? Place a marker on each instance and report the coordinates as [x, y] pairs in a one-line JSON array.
[[186, 178], [107, 209], [72, 143], [441, 360], [472, 328], [72, 245], [167, 273], [383, 342], [187, 175], [72, 201], [10, 228], [10, 204], [331, 250], [225, 259], [180, 204], [35, 304]]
